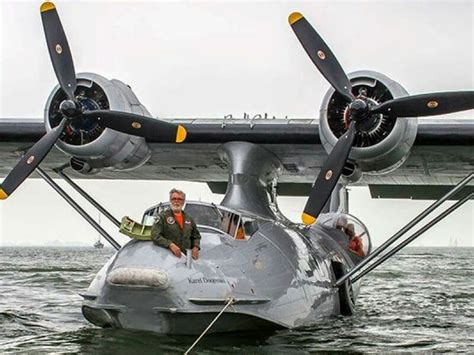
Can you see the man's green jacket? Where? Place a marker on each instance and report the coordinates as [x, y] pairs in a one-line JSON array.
[[166, 230]]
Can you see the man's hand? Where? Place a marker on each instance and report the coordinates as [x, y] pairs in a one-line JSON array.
[[195, 253], [175, 250]]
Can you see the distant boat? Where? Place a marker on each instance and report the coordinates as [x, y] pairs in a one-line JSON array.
[[453, 242], [98, 244]]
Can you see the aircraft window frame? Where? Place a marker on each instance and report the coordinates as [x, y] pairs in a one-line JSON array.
[[343, 222], [250, 226], [230, 220], [364, 234], [361, 231], [150, 214]]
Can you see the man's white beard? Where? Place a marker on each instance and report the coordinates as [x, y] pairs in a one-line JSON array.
[[176, 209]]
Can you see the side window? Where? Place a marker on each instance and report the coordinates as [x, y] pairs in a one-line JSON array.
[[204, 215], [250, 226], [149, 217], [241, 228], [160, 209], [235, 226], [231, 224], [356, 233], [226, 221]]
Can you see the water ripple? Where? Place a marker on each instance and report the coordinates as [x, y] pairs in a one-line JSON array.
[[420, 301]]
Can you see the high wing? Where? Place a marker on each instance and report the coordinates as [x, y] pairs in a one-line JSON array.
[[442, 154], [367, 124]]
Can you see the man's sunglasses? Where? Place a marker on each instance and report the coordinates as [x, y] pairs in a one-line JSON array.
[[176, 199]]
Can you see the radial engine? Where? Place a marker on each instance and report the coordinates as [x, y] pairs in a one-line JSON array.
[[91, 146], [381, 144]]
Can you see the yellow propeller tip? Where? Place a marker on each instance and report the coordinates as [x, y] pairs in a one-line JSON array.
[[3, 195], [307, 219], [46, 6], [295, 16], [180, 134]]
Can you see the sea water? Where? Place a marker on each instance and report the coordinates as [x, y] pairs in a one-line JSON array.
[[421, 300]]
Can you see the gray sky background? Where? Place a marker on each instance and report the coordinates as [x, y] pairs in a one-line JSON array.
[[209, 59]]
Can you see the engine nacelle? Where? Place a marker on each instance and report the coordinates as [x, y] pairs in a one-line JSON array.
[[91, 146], [384, 144]]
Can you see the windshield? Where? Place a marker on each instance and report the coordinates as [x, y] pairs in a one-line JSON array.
[[204, 215], [210, 215]]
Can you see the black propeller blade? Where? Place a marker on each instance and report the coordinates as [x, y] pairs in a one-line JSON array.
[[359, 110], [321, 55], [328, 176], [427, 104], [128, 123], [71, 109], [33, 157], [137, 125], [58, 48]]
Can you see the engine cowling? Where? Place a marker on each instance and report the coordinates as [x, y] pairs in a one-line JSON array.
[[91, 146], [382, 144]]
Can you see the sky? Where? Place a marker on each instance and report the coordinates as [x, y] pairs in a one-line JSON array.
[[210, 59]]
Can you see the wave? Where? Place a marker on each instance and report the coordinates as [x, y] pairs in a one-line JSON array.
[[45, 270], [27, 320]]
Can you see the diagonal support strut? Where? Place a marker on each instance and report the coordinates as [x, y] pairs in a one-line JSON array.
[[78, 208]]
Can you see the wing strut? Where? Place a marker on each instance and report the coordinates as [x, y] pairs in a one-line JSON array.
[[87, 197], [78, 208], [404, 230]]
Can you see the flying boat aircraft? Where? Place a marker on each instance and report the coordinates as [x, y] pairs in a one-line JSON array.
[[272, 272]]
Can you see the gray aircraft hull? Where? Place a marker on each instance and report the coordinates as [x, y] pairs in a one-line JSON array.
[[282, 281]]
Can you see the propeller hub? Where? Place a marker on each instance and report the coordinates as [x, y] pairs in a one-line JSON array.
[[70, 108], [359, 109]]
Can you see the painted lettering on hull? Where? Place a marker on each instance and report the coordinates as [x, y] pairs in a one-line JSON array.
[[205, 280]]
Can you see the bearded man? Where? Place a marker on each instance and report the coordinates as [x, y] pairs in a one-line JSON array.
[[176, 230]]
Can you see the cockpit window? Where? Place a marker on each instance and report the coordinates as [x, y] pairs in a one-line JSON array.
[[358, 237], [230, 223], [204, 215], [149, 216], [250, 226], [209, 215]]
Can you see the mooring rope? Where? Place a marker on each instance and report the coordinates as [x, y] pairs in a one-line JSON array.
[[231, 300]]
